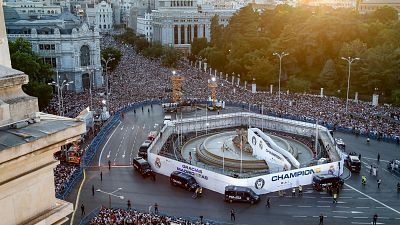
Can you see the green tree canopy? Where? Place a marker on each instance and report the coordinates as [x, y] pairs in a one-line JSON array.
[[25, 60], [111, 53]]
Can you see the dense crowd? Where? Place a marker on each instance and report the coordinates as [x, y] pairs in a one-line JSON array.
[[133, 217], [62, 175], [138, 78]]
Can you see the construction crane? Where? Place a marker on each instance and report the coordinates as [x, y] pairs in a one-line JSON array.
[[212, 84], [176, 87]]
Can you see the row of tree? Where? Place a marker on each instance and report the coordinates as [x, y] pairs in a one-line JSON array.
[[316, 40], [169, 55]]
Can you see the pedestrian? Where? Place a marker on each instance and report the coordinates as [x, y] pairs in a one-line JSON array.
[[321, 219], [359, 156], [201, 219], [156, 208], [129, 204], [334, 197], [268, 203], [379, 157], [109, 165], [374, 219], [294, 192], [92, 190], [148, 110], [233, 215], [379, 181], [300, 190], [101, 175], [83, 210], [370, 170]]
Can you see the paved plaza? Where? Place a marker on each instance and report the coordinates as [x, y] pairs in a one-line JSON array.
[[356, 204]]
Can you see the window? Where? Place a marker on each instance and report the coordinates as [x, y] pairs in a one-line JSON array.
[[176, 34], [85, 55], [41, 46]]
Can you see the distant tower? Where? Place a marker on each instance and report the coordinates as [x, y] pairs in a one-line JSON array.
[[212, 84], [177, 88]]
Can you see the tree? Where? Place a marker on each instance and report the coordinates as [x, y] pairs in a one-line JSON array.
[[111, 52], [328, 76], [298, 85], [25, 60], [396, 97], [216, 32], [385, 14], [170, 57], [155, 51], [197, 45], [141, 43]]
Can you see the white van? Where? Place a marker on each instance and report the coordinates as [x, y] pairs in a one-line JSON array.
[[167, 119]]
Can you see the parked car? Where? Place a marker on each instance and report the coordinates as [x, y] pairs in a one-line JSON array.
[[183, 180]]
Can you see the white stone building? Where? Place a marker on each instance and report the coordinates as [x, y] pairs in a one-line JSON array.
[[29, 8], [177, 23], [70, 46], [144, 26], [100, 16], [332, 3]]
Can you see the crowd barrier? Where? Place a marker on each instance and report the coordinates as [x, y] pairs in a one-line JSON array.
[[115, 118]]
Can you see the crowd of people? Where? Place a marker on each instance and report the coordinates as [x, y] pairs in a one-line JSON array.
[[138, 78], [62, 176], [133, 217]]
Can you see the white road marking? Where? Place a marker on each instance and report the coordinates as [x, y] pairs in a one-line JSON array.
[[362, 207], [300, 216], [375, 159], [101, 153], [323, 206], [119, 146], [377, 201], [308, 197], [285, 205], [122, 127], [360, 217], [343, 207], [364, 223], [352, 212], [133, 145], [344, 217], [133, 127], [304, 206]]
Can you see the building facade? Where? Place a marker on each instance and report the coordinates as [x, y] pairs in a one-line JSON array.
[[28, 8], [177, 23], [144, 26], [100, 16], [331, 3], [70, 46], [368, 6]]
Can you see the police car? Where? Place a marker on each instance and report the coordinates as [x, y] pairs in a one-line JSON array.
[[240, 194]]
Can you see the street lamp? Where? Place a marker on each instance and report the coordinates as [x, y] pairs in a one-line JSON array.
[[350, 61], [60, 88], [106, 64], [280, 56], [111, 194]]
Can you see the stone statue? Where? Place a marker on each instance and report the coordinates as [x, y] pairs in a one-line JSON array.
[[242, 134]]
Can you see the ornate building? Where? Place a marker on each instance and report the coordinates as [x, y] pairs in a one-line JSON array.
[[70, 46], [100, 15], [177, 23]]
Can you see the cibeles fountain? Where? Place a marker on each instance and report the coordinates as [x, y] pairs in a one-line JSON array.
[[247, 152]]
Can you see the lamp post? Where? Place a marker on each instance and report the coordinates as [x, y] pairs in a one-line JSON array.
[[350, 61], [60, 88], [111, 194], [280, 56], [106, 64]]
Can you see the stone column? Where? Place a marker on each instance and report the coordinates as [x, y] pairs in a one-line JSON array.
[[179, 34], [238, 80], [375, 99], [356, 97], [233, 78], [322, 93], [253, 88], [192, 32], [210, 71], [186, 34], [205, 67], [220, 75], [245, 85], [270, 88], [226, 77], [5, 52]]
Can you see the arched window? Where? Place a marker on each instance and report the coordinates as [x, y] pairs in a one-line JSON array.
[[85, 55]]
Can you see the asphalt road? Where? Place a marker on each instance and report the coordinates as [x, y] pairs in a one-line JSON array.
[[356, 205]]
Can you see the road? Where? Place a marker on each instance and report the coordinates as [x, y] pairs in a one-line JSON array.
[[356, 204]]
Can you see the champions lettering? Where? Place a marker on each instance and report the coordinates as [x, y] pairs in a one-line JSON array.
[[292, 175]]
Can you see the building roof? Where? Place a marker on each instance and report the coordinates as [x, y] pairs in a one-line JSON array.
[[49, 124]]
